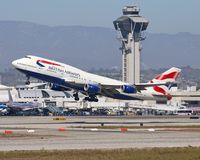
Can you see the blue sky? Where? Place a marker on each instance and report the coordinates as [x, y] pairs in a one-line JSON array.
[[165, 16]]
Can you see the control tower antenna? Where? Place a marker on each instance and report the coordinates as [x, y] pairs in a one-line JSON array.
[[130, 27]]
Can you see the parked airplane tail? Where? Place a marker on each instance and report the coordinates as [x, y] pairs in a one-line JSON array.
[[5, 88], [10, 97], [168, 76]]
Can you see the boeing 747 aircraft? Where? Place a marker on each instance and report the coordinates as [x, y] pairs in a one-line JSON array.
[[63, 76]]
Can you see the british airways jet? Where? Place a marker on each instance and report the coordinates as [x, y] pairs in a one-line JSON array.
[[63, 77]]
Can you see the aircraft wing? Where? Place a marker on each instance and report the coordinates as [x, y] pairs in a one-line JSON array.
[[80, 82], [109, 91], [139, 86], [143, 86], [2, 87], [113, 88], [33, 85], [106, 89], [75, 81]]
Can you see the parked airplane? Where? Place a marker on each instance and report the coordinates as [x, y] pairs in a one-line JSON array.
[[20, 106], [3, 109], [64, 76], [10, 105]]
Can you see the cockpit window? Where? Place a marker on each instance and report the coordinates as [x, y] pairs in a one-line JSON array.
[[27, 57]]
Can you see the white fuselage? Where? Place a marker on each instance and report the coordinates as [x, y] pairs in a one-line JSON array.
[[63, 71], [71, 77]]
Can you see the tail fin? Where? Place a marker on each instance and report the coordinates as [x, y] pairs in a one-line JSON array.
[[10, 97], [170, 76]]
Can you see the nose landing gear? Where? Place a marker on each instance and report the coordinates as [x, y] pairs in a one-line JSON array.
[[27, 80]]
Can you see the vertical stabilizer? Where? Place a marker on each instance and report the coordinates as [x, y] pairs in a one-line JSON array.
[[10, 97], [168, 76]]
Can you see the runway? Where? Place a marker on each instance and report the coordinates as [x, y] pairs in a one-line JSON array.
[[46, 133]]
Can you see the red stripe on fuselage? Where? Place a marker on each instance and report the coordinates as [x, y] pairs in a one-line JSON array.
[[48, 62]]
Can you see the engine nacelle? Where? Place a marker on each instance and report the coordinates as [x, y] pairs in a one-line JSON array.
[[128, 89], [56, 87], [92, 88]]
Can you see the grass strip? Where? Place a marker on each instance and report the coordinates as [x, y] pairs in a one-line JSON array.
[[187, 153]]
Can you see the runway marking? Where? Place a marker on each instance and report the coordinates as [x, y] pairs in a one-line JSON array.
[[8, 132], [31, 131], [124, 129], [61, 129]]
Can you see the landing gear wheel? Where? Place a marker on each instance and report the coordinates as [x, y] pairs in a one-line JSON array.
[[28, 80], [91, 98], [76, 97], [96, 100], [87, 98]]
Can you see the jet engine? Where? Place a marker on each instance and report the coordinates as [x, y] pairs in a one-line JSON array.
[[92, 88], [128, 89]]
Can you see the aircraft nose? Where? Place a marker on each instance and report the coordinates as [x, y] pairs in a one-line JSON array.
[[14, 63]]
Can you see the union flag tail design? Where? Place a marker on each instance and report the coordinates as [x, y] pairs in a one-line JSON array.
[[168, 76]]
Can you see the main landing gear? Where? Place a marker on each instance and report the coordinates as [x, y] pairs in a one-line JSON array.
[[76, 97], [91, 98]]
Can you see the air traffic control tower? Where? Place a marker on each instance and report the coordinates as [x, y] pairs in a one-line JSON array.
[[130, 27]]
